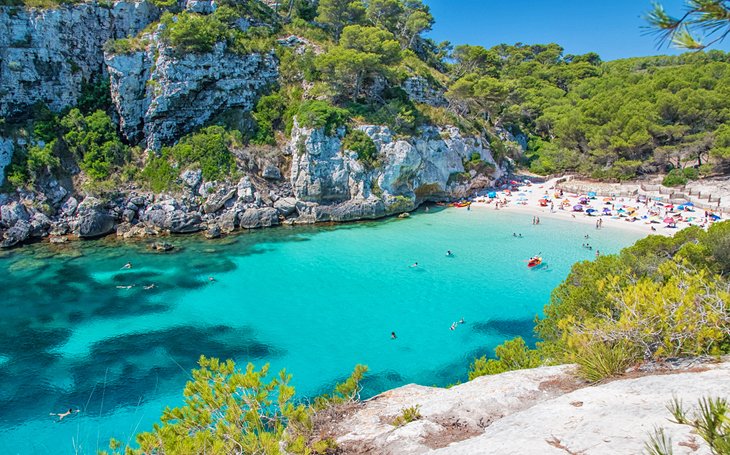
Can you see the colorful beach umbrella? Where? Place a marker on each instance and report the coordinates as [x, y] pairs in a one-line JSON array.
[[491, 195], [577, 208], [669, 220], [591, 194]]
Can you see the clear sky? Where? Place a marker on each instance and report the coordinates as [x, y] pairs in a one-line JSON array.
[[612, 28]]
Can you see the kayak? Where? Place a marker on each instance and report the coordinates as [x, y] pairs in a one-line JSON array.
[[534, 262], [462, 204]]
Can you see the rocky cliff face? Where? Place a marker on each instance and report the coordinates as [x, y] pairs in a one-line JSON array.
[[538, 411], [160, 95], [45, 54], [414, 170]]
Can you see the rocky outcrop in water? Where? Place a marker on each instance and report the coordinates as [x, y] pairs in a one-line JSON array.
[[45, 54]]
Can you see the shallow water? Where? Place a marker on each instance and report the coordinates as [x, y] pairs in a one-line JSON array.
[[314, 300]]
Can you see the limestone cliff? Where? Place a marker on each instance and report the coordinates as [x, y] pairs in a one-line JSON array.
[[45, 54], [160, 95]]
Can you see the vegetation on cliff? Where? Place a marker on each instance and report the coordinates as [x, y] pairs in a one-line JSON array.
[[352, 62]]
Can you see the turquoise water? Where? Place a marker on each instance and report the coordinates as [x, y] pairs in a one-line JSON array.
[[314, 300]]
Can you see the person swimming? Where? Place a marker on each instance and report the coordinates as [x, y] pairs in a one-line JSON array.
[[128, 265], [415, 264], [461, 321], [453, 326], [65, 414], [211, 279], [129, 286], [449, 253], [150, 286], [393, 336]]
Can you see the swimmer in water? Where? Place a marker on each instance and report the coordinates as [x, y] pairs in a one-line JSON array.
[[393, 336], [449, 253], [150, 286], [65, 414], [461, 321], [414, 265], [211, 279], [128, 265], [130, 286]]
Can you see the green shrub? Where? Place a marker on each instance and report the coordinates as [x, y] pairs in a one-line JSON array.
[[710, 420], [320, 114], [407, 415], [511, 355], [192, 32], [268, 115], [95, 95], [159, 174], [675, 177], [94, 142], [367, 151], [598, 360], [208, 149], [691, 173], [123, 46]]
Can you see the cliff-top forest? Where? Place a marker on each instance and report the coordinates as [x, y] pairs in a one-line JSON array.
[[564, 113]]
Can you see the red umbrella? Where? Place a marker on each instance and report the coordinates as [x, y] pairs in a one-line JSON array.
[[669, 220]]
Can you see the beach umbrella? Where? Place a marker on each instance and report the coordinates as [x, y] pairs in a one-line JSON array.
[[591, 211], [680, 207], [621, 211], [607, 199], [591, 194], [690, 204], [577, 208], [606, 210], [669, 220], [491, 195], [714, 217], [522, 194], [584, 200]]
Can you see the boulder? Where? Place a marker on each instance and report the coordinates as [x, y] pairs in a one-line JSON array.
[[217, 200], [161, 246], [18, 233], [92, 219], [271, 172], [228, 222], [181, 222], [286, 206], [191, 178], [213, 231], [40, 225], [254, 218], [69, 207], [351, 210], [11, 213], [245, 190], [94, 223]]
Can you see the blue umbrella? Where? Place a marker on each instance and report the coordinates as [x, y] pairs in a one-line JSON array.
[[690, 204], [591, 194], [492, 195], [577, 208]]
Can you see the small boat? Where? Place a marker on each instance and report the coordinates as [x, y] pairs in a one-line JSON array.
[[462, 204], [534, 261]]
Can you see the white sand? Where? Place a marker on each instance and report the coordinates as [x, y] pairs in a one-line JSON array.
[[536, 192]]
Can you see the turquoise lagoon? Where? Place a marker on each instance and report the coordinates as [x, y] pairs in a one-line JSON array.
[[316, 300]]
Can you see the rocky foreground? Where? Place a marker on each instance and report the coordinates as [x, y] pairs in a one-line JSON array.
[[538, 411]]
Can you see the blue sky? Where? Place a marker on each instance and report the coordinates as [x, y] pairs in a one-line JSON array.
[[612, 28]]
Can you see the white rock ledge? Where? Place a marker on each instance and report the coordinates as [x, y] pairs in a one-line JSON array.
[[538, 411]]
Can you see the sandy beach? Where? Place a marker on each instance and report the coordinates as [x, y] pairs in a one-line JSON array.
[[646, 218]]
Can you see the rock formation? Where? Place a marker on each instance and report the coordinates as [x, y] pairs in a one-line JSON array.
[[543, 410]]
